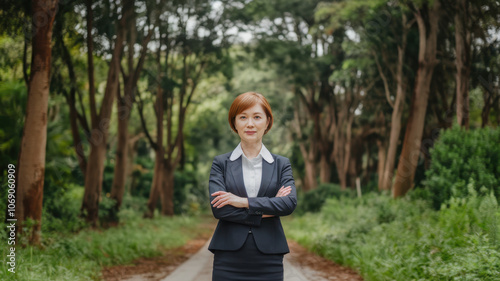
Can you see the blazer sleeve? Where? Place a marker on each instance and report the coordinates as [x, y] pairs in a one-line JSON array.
[[278, 206], [228, 212]]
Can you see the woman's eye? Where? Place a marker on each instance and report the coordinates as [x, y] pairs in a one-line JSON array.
[[242, 117], [257, 117]]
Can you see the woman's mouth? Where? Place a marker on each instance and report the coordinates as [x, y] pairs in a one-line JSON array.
[[250, 132]]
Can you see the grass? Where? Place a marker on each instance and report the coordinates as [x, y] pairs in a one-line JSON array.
[[81, 256], [386, 239]]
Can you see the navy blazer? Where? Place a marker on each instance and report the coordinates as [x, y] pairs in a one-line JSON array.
[[235, 223]]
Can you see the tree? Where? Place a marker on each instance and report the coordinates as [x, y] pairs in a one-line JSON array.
[[427, 18], [126, 101], [188, 55], [31, 163], [100, 122]]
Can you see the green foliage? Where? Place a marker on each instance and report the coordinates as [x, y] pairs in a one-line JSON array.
[[81, 256], [312, 201], [460, 157], [61, 211], [387, 239], [12, 107]]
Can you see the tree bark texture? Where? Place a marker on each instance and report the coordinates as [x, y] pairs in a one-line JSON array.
[[428, 30], [31, 163]]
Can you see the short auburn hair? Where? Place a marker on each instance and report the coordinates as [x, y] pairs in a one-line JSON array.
[[246, 100]]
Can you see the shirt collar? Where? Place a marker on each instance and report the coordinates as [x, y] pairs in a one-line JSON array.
[[266, 155]]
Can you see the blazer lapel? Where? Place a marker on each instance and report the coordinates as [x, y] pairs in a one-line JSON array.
[[267, 174], [237, 172]]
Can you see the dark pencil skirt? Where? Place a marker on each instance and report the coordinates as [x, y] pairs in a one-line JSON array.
[[247, 264]]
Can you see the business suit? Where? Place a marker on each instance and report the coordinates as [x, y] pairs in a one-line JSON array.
[[234, 224]]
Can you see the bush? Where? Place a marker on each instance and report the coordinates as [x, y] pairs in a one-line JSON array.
[[313, 200], [403, 239], [460, 157], [61, 211]]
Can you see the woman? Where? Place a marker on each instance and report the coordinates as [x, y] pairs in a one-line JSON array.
[[250, 188]]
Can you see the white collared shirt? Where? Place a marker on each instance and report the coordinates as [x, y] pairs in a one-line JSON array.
[[252, 168]]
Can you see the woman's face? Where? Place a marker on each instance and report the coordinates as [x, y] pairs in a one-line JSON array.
[[251, 123]]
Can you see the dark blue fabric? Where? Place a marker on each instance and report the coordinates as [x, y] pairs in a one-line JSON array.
[[234, 223], [247, 264]]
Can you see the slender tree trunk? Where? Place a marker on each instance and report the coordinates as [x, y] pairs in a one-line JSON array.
[[463, 63], [308, 151], [154, 194], [414, 130], [340, 155], [310, 182], [121, 158], [98, 139], [381, 163], [31, 163], [397, 114], [73, 113], [125, 105], [167, 190], [90, 62], [324, 168]]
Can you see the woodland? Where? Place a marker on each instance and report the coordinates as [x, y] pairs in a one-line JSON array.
[[111, 113]]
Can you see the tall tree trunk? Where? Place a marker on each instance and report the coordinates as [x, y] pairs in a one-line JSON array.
[[99, 134], [31, 164], [121, 158], [154, 194], [427, 60], [397, 114], [463, 61], [385, 178], [125, 105]]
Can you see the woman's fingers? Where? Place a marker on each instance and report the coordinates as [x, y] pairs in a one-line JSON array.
[[218, 196], [222, 199], [218, 193], [284, 191]]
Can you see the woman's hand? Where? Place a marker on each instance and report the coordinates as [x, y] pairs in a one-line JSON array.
[[224, 198], [284, 191]]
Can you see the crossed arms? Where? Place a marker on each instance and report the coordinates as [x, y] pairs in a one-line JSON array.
[[250, 211]]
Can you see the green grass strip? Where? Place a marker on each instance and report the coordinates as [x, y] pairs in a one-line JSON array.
[[81, 256]]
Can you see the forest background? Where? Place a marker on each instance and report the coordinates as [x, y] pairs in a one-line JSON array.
[[112, 112]]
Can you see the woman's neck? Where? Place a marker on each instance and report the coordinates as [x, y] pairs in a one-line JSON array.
[[251, 149]]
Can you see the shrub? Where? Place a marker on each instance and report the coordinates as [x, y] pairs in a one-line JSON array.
[[313, 200], [403, 239], [461, 156]]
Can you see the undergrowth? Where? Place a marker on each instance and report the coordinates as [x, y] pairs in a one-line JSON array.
[[81, 256], [405, 239]]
